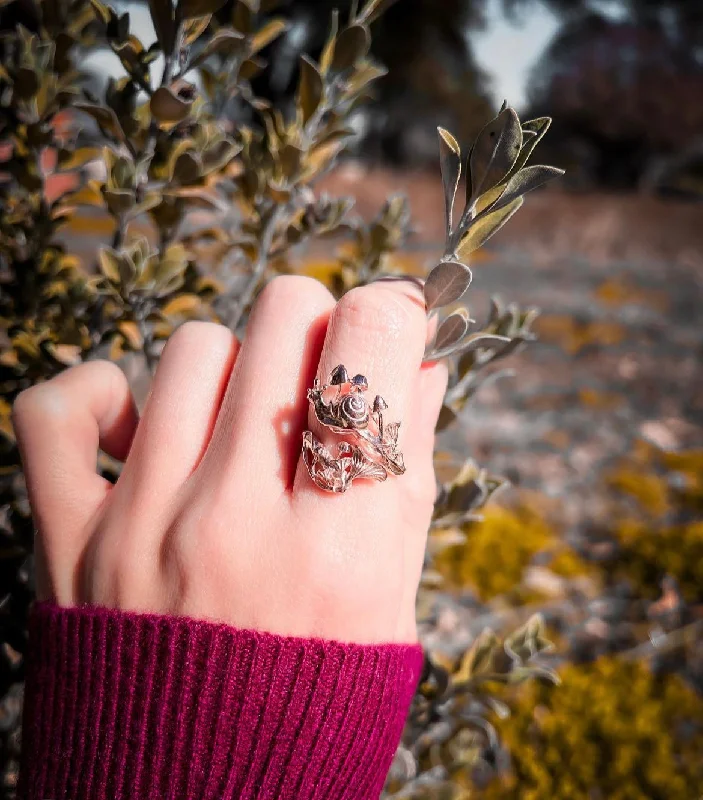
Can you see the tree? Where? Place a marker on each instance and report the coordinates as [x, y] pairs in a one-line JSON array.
[[625, 93]]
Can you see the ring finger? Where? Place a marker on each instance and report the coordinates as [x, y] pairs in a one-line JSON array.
[[378, 331]]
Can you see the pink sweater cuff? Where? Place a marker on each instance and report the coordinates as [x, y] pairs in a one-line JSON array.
[[120, 705]]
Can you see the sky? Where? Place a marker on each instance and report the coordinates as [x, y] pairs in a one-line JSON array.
[[507, 50]]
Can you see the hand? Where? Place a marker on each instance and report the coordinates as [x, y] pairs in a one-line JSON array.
[[214, 515]]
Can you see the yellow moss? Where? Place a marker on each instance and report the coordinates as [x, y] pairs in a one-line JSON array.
[[650, 491], [648, 554], [611, 730], [653, 545], [499, 549], [572, 335]]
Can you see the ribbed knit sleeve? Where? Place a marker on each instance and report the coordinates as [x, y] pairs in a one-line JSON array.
[[122, 705]]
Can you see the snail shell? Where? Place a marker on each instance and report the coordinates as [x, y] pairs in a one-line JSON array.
[[355, 410]]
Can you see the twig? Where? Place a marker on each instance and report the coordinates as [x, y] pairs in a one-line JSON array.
[[259, 266]]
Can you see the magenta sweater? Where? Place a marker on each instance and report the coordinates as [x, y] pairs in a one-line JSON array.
[[124, 705]]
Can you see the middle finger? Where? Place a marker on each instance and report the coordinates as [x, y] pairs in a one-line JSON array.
[[257, 435]]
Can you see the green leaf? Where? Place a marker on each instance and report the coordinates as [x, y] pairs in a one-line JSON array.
[[373, 10], [26, 83], [310, 89], [478, 659], [484, 226], [446, 283], [225, 41], [164, 18], [167, 106], [495, 151], [328, 50], [452, 329], [450, 165], [188, 168], [119, 200], [476, 341], [189, 9], [525, 181], [105, 117], [537, 128], [109, 264], [446, 417], [271, 30], [351, 46], [194, 28], [102, 11], [363, 76]]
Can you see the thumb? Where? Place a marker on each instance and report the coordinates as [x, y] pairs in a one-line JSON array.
[[60, 424]]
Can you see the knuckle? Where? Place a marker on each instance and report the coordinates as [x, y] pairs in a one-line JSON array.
[[288, 292], [197, 335], [101, 370], [57, 398], [40, 401], [375, 309]]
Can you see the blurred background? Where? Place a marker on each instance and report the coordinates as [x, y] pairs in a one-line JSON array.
[[598, 424]]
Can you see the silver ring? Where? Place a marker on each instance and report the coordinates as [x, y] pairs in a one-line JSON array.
[[341, 405]]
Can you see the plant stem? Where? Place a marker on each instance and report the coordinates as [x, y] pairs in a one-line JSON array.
[[259, 267]]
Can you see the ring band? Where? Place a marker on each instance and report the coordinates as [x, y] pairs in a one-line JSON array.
[[340, 405]]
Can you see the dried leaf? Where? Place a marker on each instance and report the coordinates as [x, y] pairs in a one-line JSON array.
[[495, 151], [484, 226], [450, 164], [351, 46], [446, 283], [310, 88], [452, 329]]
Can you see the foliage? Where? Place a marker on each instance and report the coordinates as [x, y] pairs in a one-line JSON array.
[[613, 730], [202, 210], [448, 739], [657, 521], [625, 94], [491, 556]]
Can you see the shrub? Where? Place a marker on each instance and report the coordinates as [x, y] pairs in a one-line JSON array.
[[656, 521], [614, 731], [495, 552]]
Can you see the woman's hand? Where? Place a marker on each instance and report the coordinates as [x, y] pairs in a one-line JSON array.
[[214, 515]]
